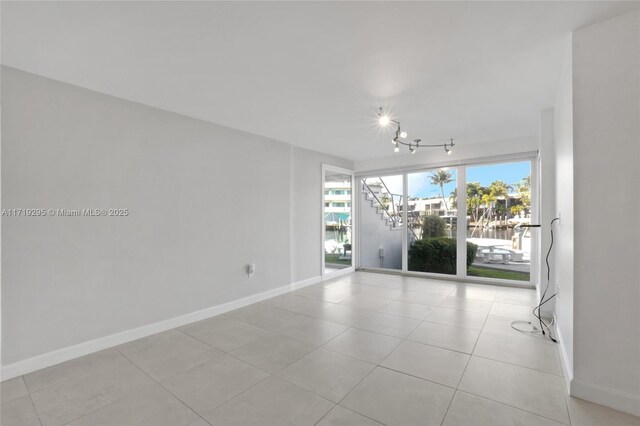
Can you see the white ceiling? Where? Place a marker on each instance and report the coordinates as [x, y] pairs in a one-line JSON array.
[[313, 73]]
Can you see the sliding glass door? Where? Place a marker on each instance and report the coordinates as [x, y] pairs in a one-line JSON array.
[[466, 221], [337, 223]]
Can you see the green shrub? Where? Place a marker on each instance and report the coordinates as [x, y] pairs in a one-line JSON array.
[[433, 226], [437, 255], [471, 253]]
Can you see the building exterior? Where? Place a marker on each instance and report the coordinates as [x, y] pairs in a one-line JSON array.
[[337, 199]]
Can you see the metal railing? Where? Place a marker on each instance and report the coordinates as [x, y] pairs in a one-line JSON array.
[[383, 207], [392, 217]]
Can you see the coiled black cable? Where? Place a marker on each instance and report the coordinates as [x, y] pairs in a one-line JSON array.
[[536, 310], [542, 301]]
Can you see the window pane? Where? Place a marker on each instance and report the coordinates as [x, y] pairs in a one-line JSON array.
[[431, 214], [381, 222], [498, 203]]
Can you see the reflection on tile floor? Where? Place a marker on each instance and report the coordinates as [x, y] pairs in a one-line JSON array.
[[362, 349]]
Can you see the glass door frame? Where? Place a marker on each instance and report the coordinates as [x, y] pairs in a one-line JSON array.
[[354, 227], [461, 232]]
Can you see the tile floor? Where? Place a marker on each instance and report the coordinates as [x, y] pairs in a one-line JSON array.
[[364, 349]]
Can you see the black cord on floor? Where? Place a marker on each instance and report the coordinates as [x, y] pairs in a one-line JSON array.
[[536, 310]]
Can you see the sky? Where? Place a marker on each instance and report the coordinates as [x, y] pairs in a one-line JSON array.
[[420, 185]]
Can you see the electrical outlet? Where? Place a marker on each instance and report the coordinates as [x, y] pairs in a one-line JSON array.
[[251, 269]]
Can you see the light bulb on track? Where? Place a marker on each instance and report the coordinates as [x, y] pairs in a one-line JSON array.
[[400, 136]]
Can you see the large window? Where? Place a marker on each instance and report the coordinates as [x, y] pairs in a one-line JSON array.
[[481, 234], [498, 204], [432, 221]]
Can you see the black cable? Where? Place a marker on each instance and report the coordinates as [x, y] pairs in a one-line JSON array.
[[542, 301], [543, 324], [550, 297], [535, 330]]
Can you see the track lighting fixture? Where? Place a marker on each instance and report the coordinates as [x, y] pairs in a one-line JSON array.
[[449, 149], [384, 120]]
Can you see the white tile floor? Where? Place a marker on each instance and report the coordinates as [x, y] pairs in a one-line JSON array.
[[364, 349]]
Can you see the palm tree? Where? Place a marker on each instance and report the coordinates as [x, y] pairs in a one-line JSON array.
[[441, 177], [524, 190], [474, 199], [488, 200], [454, 198], [498, 189]]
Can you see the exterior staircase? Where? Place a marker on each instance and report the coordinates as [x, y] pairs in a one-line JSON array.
[[387, 205], [374, 194]]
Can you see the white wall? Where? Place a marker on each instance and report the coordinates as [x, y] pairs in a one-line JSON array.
[[67, 280], [606, 111], [547, 188], [562, 255]]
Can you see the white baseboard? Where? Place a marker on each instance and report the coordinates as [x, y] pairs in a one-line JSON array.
[[48, 359], [565, 363], [614, 398], [305, 283], [338, 273]]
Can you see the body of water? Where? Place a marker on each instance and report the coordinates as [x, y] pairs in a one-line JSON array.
[[340, 235], [499, 234]]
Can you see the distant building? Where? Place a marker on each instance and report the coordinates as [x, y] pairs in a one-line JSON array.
[[337, 201], [437, 206]]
